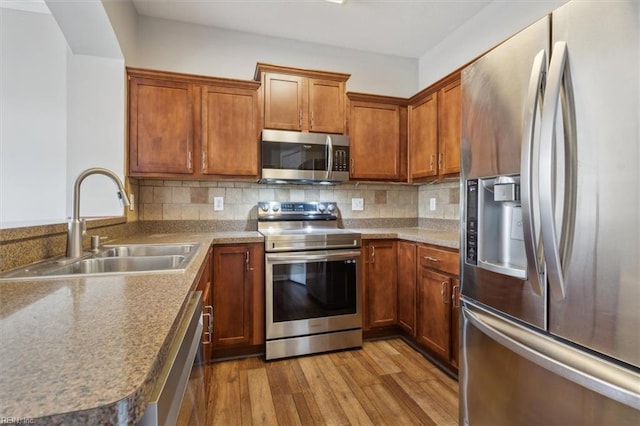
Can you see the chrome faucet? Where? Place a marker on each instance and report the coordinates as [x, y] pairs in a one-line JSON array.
[[77, 226]]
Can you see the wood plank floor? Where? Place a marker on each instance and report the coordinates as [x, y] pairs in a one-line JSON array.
[[384, 383]]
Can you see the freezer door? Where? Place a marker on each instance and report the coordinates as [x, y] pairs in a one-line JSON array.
[[592, 247], [499, 117], [511, 375]]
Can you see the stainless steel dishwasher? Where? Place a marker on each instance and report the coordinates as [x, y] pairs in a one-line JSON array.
[[178, 397]]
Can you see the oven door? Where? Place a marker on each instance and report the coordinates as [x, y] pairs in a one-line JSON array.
[[312, 292]]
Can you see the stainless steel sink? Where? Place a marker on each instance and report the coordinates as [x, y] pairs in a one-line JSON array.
[[146, 250], [121, 259]]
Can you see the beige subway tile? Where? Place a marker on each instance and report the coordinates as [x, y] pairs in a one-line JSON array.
[[172, 211], [282, 194], [190, 212], [152, 211], [242, 185], [208, 183], [341, 196], [191, 183], [180, 195], [312, 195], [233, 196], [454, 195], [296, 195], [205, 212], [250, 195], [146, 194], [266, 194], [226, 184], [161, 195], [152, 182], [172, 183]]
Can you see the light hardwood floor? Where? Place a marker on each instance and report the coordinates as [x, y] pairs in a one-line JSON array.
[[384, 383]]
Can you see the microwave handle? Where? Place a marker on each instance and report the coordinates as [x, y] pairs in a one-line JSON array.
[[329, 143]]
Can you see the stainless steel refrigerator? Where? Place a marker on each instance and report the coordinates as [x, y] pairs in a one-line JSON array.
[[550, 259]]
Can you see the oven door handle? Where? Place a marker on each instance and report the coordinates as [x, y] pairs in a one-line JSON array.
[[313, 256]]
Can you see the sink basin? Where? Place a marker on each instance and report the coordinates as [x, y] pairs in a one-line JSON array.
[[121, 259], [101, 265], [146, 250]]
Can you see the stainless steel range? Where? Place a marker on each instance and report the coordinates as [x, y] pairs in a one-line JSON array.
[[312, 280]]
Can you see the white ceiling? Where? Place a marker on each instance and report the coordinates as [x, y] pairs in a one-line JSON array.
[[406, 28]]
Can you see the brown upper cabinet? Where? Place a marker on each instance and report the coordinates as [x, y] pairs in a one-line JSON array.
[[377, 137], [186, 126], [302, 100], [434, 130]]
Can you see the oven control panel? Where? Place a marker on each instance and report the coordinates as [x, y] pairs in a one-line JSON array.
[[305, 208]]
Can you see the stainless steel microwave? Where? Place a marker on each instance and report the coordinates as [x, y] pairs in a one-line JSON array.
[[295, 157]]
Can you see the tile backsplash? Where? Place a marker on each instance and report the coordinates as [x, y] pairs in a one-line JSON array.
[[193, 200], [447, 201]]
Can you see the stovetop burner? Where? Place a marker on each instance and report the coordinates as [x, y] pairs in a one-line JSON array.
[[299, 226]]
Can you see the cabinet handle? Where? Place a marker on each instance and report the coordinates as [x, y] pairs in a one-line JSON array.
[[248, 262], [373, 254], [209, 332], [353, 166], [204, 160], [440, 161], [443, 290], [431, 259], [300, 118], [432, 161], [454, 296], [312, 119], [189, 160]]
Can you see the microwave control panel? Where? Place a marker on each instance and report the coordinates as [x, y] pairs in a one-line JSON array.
[[340, 159]]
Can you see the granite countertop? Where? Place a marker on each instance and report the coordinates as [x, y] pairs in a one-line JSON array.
[[88, 350], [419, 235]]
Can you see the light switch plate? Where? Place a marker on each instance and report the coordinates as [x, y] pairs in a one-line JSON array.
[[357, 204], [218, 204], [432, 204]]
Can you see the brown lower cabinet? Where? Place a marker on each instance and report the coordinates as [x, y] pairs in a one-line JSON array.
[[414, 287], [380, 284], [407, 252], [238, 297]]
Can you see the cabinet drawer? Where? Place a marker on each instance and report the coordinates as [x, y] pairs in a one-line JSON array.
[[440, 259]]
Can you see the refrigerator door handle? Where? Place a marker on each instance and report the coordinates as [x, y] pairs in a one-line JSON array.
[[586, 370], [529, 174], [557, 242]]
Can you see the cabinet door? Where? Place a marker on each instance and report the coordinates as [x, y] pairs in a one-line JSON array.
[[374, 132], [406, 265], [434, 312], [283, 101], [230, 136], [161, 122], [423, 138], [232, 296], [326, 106], [255, 267], [381, 283], [455, 323], [449, 123]]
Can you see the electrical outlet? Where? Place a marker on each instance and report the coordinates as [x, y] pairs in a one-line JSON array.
[[432, 204], [218, 204], [357, 204]]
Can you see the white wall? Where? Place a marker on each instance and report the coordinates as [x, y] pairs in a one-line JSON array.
[[492, 25], [60, 112], [96, 130], [33, 117], [174, 46]]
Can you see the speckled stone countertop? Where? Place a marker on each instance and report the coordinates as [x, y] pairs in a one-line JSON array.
[[88, 350], [419, 235]]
